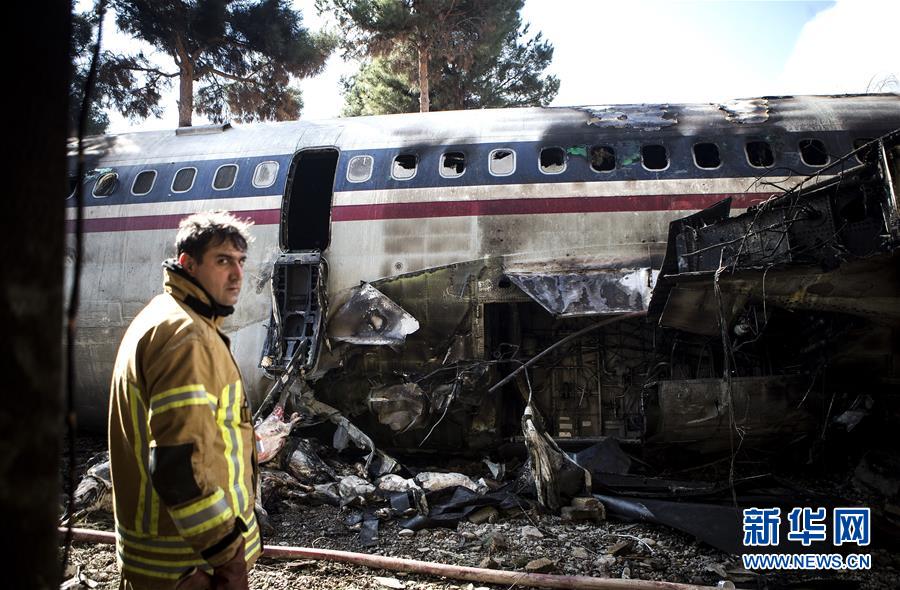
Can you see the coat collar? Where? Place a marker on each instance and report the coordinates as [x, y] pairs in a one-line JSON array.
[[183, 287]]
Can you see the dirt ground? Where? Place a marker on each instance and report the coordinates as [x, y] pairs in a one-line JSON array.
[[512, 542]]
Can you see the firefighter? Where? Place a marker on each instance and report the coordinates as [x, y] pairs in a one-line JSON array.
[[181, 442]]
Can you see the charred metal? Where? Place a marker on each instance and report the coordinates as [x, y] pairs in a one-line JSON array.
[[754, 322]]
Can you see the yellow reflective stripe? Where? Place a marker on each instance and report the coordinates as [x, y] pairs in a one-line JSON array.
[[146, 572], [241, 467], [210, 524], [154, 511], [225, 417], [161, 397], [141, 445], [124, 532], [198, 506], [192, 401], [179, 397], [166, 563], [148, 548], [252, 539], [203, 515], [253, 550]]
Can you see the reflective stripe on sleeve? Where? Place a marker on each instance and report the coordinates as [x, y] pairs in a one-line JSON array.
[[179, 397], [202, 515], [252, 539]]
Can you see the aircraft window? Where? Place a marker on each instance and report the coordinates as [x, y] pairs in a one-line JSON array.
[[502, 162], [654, 157], [706, 155], [143, 182], [453, 164], [225, 176], [759, 154], [265, 174], [184, 180], [404, 166], [867, 154], [553, 160], [603, 158], [360, 168], [813, 152], [106, 184]]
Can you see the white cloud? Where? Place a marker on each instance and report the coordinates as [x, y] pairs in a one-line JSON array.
[[847, 48]]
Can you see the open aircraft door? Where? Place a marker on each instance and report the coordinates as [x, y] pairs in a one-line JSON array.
[[299, 275]]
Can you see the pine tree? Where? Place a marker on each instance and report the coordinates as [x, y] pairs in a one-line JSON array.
[[426, 33], [240, 53], [478, 55]]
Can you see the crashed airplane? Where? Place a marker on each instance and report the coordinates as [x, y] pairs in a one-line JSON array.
[[666, 275]]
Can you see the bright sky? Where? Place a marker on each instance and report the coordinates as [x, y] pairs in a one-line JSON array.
[[668, 51]]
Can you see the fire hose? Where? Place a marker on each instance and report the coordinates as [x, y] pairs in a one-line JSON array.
[[458, 572]]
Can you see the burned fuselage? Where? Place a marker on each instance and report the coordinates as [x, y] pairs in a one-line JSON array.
[[404, 265]]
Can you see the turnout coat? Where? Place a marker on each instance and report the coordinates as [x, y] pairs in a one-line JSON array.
[[181, 443]]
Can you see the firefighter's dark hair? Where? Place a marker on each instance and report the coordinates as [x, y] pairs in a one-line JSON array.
[[210, 228]]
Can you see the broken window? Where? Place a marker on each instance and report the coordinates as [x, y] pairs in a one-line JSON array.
[[453, 164], [184, 180], [502, 162], [404, 166], [654, 157], [759, 154], [867, 153], [553, 160], [360, 168], [225, 177], [106, 184], [706, 155], [265, 174], [603, 158], [143, 182], [813, 152]]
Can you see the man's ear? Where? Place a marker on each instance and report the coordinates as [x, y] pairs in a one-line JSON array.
[[187, 262]]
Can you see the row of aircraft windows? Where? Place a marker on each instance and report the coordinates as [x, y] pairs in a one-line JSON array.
[[264, 176], [502, 162]]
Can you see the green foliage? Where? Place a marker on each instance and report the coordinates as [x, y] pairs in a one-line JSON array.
[[242, 55], [505, 71], [115, 86], [380, 90], [420, 37]]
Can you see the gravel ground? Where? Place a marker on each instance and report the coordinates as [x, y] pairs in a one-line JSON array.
[[604, 549]]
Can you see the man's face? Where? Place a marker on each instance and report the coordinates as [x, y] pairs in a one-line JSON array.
[[220, 271]]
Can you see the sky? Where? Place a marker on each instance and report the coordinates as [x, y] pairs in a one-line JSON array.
[[645, 51]]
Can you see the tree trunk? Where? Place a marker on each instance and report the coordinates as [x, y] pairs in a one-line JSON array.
[[424, 87], [185, 95], [185, 86]]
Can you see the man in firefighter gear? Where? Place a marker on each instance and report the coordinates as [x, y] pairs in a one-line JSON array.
[[181, 443]]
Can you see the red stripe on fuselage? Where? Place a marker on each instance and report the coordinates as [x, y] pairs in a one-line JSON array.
[[142, 222], [539, 206], [529, 206]]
